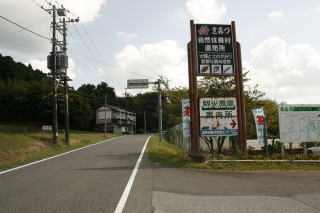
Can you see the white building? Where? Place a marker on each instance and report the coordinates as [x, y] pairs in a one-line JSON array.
[[117, 120]]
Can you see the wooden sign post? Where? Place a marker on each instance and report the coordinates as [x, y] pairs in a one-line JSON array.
[[214, 51]]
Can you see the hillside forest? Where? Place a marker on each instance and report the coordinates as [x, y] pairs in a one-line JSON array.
[[26, 99]]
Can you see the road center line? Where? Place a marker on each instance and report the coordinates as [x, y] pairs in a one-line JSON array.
[[29, 164], [126, 192]]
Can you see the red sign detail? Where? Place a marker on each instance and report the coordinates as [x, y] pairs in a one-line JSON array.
[[260, 119], [186, 111], [233, 124]]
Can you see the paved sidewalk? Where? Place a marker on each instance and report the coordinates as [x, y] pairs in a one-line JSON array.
[[189, 190]]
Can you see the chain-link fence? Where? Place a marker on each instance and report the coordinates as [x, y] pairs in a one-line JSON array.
[[175, 136]]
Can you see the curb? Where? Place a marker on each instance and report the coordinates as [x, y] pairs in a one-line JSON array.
[[265, 161]]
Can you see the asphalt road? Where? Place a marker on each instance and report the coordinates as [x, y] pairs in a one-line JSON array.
[[87, 180], [94, 179]]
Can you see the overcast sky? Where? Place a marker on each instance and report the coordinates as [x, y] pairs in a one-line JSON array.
[[118, 40]]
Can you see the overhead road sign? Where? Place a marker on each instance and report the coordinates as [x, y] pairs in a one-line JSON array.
[[137, 83], [215, 52]]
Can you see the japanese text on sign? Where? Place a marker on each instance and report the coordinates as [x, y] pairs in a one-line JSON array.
[[186, 117], [299, 123], [218, 116], [214, 49], [258, 115]]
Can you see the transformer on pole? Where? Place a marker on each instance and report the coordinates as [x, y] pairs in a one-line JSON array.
[[57, 62]]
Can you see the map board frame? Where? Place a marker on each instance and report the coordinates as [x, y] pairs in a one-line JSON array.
[[299, 123]]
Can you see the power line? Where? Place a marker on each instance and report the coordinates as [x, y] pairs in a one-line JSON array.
[[98, 53], [93, 44], [101, 61], [12, 34], [82, 40], [92, 56], [30, 31]]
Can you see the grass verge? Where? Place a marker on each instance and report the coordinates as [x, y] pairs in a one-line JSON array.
[[165, 153], [170, 155], [19, 149]]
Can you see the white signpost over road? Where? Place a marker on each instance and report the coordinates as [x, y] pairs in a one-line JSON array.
[[299, 123], [218, 117], [137, 84]]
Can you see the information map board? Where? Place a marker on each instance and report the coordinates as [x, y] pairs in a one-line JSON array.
[[218, 117], [299, 123]]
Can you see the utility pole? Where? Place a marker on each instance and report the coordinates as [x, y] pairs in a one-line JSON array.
[[59, 61], [160, 109], [105, 115], [65, 83], [126, 113], [265, 137], [144, 117], [135, 123], [54, 77]]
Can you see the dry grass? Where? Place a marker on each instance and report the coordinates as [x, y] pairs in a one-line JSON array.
[[18, 149], [170, 155]]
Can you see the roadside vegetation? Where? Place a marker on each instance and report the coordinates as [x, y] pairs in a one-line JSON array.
[[21, 148], [170, 155]]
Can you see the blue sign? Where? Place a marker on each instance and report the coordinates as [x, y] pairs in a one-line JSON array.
[[219, 132]]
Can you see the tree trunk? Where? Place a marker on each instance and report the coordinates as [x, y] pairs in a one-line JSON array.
[[209, 142], [220, 142]]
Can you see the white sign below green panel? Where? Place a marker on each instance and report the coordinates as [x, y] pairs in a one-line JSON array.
[[218, 117]]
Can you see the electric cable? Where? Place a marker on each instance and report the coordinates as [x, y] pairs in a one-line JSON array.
[[30, 31]]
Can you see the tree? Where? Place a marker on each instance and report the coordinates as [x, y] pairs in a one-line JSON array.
[[224, 86], [172, 106], [147, 102]]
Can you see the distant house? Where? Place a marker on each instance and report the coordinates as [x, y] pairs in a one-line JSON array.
[[117, 120]]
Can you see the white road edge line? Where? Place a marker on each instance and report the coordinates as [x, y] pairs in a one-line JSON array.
[[29, 164], [126, 192]]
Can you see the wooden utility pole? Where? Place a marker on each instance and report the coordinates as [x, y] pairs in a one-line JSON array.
[[160, 109]]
